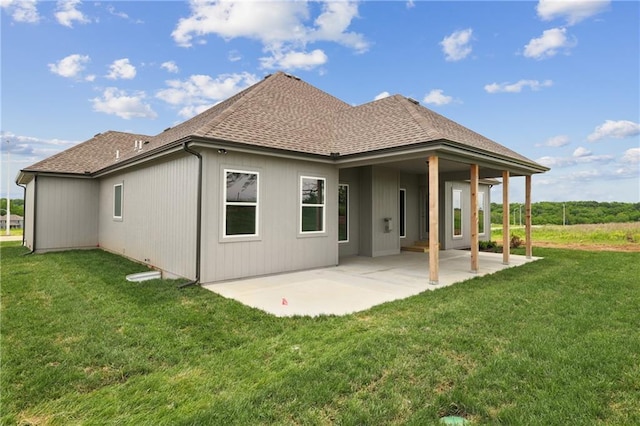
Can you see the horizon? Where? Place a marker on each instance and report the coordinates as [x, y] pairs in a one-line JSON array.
[[548, 80]]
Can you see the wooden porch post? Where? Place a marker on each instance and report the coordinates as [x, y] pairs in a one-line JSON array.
[[527, 216], [434, 247], [474, 218], [505, 218]]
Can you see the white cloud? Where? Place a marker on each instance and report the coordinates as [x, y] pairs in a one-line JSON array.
[[573, 10], [548, 44], [201, 91], [234, 56], [170, 66], [112, 10], [631, 155], [456, 46], [436, 97], [557, 141], [121, 68], [31, 147], [614, 129], [22, 10], [411, 4], [281, 27], [586, 158], [67, 13], [517, 87], [294, 60], [581, 152], [381, 95], [117, 102], [70, 66]]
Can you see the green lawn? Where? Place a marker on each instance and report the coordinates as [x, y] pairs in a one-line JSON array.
[[613, 234], [552, 342]]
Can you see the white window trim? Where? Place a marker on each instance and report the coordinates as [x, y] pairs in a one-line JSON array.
[[113, 211], [403, 218], [453, 215], [225, 203], [323, 205], [348, 212]]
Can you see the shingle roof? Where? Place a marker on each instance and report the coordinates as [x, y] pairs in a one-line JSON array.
[[92, 155], [286, 113]]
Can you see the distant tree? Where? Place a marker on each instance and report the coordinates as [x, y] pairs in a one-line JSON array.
[[576, 212]]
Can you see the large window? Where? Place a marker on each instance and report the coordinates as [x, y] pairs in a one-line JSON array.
[[457, 213], [343, 213], [117, 201], [480, 213], [312, 204], [240, 203], [403, 213]]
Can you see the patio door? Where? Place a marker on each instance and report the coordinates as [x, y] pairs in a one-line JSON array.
[[424, 213]]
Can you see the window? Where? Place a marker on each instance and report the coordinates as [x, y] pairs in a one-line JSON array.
[[457, 213], [312, 203], [480, 213], [403, 213], [343, 213], [117, 201], [240, 203]]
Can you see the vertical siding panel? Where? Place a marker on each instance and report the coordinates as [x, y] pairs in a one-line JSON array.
[[29, 214]]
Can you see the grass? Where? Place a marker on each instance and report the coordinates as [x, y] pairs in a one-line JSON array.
[[616, 234], [552, 342]]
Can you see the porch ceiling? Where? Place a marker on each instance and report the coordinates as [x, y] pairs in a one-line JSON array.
[[419, 166]]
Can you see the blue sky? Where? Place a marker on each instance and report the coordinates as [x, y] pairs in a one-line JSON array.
[[557, 81]]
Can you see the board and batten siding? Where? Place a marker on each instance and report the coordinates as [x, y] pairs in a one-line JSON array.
[[464, 241], [158, 225], [66, 213], [411, 184], [385, 188], [279, 246]]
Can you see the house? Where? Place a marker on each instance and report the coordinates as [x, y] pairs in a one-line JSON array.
[[280, 177], [15, 221]]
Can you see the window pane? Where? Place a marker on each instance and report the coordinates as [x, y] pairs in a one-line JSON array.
[[343, 213], [241, 220], [457, 213], [242, 187], [312, 191], [117, 201], [481, 213], [312, 219]]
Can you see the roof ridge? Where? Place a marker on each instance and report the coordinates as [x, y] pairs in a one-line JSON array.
[[422, 122], [251, 91]]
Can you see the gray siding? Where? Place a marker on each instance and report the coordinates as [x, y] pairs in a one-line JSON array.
[[465, 241], [158, 225], [28, 213], [410, 183], [351, 177], [366, 208], [279, 247], [386, 185], [66, 213]]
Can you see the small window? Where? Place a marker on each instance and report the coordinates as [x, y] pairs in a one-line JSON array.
[[312, 204], [117, 201], [343, 213], [240, 203], [457, 213], [403, 213], [480, 213]]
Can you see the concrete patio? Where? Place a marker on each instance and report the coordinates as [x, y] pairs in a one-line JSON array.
[[357, 284]]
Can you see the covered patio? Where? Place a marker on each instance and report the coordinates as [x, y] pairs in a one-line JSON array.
[[358, 283]]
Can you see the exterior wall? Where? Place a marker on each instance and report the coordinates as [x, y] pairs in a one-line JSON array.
[[66, 213], [410, 183], [451, 242], [28, 213], [365, 223], [279, 246], [386, 187], [158, 225], [351, 177]]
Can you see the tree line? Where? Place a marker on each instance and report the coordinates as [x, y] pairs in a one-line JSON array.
[[17, 207], [572, 212]]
